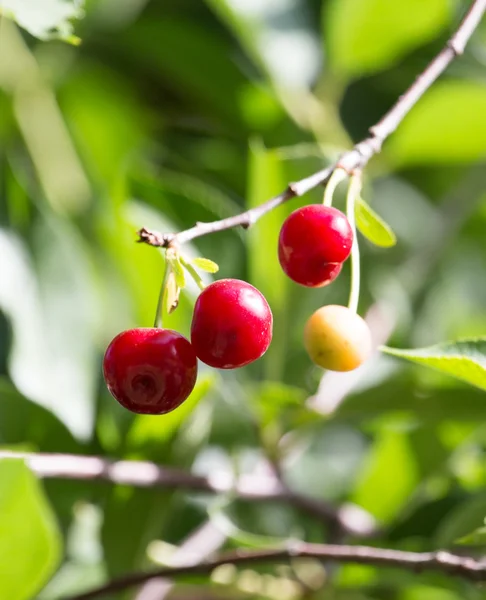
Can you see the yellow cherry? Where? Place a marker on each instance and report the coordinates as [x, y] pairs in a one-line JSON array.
[[336, 338]]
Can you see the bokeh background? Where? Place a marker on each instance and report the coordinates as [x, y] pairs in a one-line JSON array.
[[180, 111]]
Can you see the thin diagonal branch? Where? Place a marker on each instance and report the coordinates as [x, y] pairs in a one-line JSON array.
[[467, 567], [251, 488], [357, 157]]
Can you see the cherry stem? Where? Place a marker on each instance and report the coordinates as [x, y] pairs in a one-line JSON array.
[[337, 176], [159, 311], [193, 273], [354, 191]]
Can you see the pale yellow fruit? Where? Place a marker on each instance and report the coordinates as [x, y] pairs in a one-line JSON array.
[[337, 339]]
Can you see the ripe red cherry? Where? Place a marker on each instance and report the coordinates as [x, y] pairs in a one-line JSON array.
[[231, 325], [313, 240], [150, 371]]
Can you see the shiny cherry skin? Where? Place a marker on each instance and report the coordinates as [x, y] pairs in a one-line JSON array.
[[313, 240], [336, 338], [232, 324], [150, 371]]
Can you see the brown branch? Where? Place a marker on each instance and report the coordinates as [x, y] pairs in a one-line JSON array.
[[467, 567], [251, 488], [357, 157]]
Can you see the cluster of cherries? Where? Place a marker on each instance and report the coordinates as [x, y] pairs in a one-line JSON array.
[[153, 370]]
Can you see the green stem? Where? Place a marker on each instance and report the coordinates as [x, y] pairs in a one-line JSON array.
[[337, 176], [159, 311], [193, 273], [354, 191]]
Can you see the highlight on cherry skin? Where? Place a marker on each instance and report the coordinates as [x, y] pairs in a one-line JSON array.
[[231, 325], [336, 338], [150, 370], [314, 241]]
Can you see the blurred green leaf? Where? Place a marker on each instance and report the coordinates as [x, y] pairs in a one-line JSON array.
[[363, 36], [23, 422], [446, 126], [266, 177], [422, 403], [148, 429], [467, 516], [475, 538], [373, 227], [464, 359], [30, 545], [45, 19], [388, 476], [205, 265]]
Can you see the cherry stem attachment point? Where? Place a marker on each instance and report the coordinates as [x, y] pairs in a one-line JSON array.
[[337, 176], [354, 190], [159, 311], [193, 273]]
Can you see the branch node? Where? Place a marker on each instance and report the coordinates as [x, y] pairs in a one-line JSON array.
[[155, 238]]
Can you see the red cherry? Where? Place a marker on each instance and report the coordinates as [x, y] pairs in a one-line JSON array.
[[150, 371], [313, 241], [231, 325]]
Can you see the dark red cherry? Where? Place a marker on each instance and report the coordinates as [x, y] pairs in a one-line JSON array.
[[314, 241], [150, 371], [231, 325]]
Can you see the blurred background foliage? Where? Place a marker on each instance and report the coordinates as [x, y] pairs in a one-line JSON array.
[[181, 111]]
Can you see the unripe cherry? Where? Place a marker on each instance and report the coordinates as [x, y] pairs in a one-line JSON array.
[[336, 338]]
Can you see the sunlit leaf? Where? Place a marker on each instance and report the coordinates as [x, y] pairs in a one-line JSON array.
[[446, 126], [45, 19], [464, 359], [369, 35], [205, 265], [30, 547], [373, 227]]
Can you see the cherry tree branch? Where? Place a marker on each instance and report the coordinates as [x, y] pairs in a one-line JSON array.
[[252, 488], [452, 564], [356, 158]]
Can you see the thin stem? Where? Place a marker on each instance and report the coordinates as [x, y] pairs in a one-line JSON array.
[[357, 157], [452, 564], [335, 179], [193, 273], [159, 311], [354, 191]]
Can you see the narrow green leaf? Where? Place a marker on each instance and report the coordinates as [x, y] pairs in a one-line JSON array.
[[205, 265], [30, 547], [464, 359], [373, 227], [179, 273]]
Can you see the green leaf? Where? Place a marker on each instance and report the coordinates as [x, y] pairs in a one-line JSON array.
[[446, 126], [147, 429], [466, 517], [464, 359], [392, 453], [30, 546], [205, 265], [475, 538], [373, 227], [45, 19], [180, 277], [267, 177], [363, 36]]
